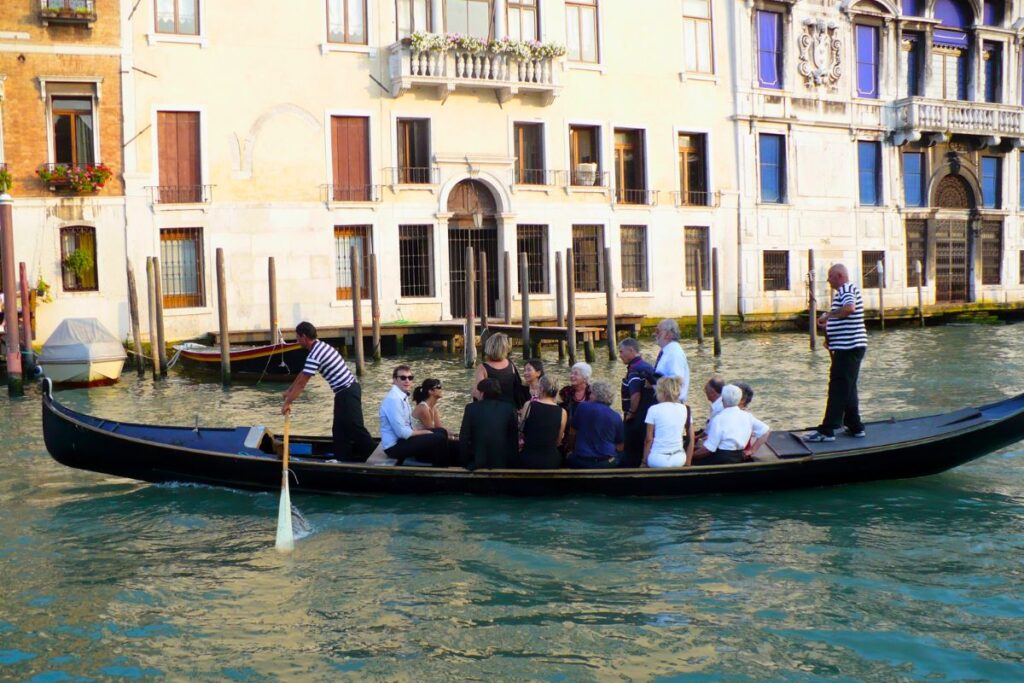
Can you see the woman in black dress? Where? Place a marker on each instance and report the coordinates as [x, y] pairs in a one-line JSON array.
[[543, 427]]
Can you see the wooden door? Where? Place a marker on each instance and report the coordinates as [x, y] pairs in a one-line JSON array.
[[951, 266], [350, 153], [180, 162]]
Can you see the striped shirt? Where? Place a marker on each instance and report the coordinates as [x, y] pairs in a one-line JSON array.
[[324, 359], [847, 333]]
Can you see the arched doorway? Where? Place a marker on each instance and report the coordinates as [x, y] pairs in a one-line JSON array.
[[955, 201], [473, 224]]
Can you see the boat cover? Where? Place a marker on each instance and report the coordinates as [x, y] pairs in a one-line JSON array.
[[81, 339]]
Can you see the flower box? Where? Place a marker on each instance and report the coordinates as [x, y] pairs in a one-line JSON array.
[[67, 12], [87, 179]]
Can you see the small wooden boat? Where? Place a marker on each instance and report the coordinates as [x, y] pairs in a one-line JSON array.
[[81, 352], [277, 362], [248, 458]]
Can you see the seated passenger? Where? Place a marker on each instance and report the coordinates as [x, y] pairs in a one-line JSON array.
[[425, 398], [544, 424], [599, 432], [667, 422], [713, 392], [397, 435], [488, 437], [748, 395], [730, 432]]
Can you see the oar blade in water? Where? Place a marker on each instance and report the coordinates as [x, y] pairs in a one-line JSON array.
[[285, 538]]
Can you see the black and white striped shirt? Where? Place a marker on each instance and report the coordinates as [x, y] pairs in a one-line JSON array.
[[847, 333], [324, 359]]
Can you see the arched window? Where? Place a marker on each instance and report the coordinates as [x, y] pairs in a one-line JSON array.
[[78, 258]]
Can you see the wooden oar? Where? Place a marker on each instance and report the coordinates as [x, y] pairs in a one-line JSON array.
[[285, 540]]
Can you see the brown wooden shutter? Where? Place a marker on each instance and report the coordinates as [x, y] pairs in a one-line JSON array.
[[179, 156], [350, 137]]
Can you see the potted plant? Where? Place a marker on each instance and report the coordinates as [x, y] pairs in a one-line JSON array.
[[79, 262], [6, 181], [43, 291]]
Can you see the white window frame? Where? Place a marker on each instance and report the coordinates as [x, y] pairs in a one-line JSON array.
[[709, 170], [202, 40], [369, 49], [698, 75], [90, 87], [329, 159], [204, 162]]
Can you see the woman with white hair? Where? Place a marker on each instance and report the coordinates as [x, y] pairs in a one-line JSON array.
[[600, 434], [667, 421], [730, 432], [577, 391]]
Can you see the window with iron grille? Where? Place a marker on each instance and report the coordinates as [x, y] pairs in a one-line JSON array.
[[991, 252], [181, 267], [533, 241], [917, 245], [869, 269], [346, 237], [588, 253], [78, 258], [416, 260], [776, 271], [696, 242], [529, 141], [634, 258]]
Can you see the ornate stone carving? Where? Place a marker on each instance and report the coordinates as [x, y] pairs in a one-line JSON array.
[[820, 49]]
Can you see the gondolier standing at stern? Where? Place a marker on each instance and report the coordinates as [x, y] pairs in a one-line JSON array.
[[847, 342], [352, 443]]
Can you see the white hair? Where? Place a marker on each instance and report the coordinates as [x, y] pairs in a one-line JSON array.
[[731, 395], [585, 370], [671, 327]]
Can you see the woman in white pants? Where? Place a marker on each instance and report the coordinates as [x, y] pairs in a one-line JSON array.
[[667, 423]]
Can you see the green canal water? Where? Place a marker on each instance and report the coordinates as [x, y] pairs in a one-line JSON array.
[[108, 579]]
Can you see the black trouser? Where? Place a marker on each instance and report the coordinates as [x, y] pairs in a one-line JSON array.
[[432, 448], [633, 451], [843, 407], [352, 443], [721, 457]]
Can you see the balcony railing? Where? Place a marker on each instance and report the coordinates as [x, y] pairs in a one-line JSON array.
[[536, 176], [626, 195], [413, 175], [351, 193], [452, 69], [582, 177], [695, 198], [181, 194], [971, 118], [67, 12]]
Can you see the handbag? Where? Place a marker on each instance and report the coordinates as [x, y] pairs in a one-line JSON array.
[[520, 392]]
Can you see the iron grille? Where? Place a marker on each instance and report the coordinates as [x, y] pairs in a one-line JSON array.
[[181, 194], [634, 258], [869, 269], [78, 259], [776, 271], [346, 237], [181, 267], [696, 198], [588, 252], [951, 260], [484, 242], [414, 175], [416, 260], [625, 195], [352, 193], [991, 252], [696, 242], [917, 241], [534, 176], [533, 241]]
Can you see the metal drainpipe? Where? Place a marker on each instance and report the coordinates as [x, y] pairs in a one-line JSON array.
[[734, 65]]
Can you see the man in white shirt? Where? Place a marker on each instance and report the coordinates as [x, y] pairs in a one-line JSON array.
[[730, 432], [672, 359], [397, 437]]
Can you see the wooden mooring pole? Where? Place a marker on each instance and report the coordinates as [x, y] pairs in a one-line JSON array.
[[275, 327], [570, 301], [716, 303], [470, 343], [161, 339], [28, 357], [880, 267], [222, 316], [357, 309], [559, 301], [15, 385], [700, 297], [609, 296], [524, 293], [507, 307], [374, 306], [133, 312], [920, 293], [154, 338], [483, 291], [812, 302]]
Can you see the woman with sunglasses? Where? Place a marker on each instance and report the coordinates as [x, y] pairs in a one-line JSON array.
[[425, 398], [399, 438]]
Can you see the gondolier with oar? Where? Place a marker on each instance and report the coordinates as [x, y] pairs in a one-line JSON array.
[[847, 342], [352, 443]]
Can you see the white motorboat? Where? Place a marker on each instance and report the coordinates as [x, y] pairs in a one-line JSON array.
[[82, 352]]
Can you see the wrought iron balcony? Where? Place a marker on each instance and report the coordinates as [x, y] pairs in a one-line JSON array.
[[81, 12], [696, 198], [350, 193], [584, 176], [413, 175], [627, 195], [536, 176], [914, 116], [454, 69], [181, 194]]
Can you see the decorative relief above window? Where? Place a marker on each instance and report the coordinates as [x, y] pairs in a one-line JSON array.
[[820, 47]]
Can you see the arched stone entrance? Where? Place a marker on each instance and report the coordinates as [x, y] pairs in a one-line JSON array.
[[953, 273], [473, 223]]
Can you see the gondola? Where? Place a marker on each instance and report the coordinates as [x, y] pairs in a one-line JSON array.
[[276, 362], [249, 458]]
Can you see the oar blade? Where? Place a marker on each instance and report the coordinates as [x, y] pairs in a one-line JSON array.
[[285, 538]]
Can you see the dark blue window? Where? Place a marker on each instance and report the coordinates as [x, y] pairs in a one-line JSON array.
[[961, 76], [769, 49], [992, 13], [867, 61], [910, 8], [991, 181], [869, 158], [773, 168], [993, 72], [913, 65], [913, 178]]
